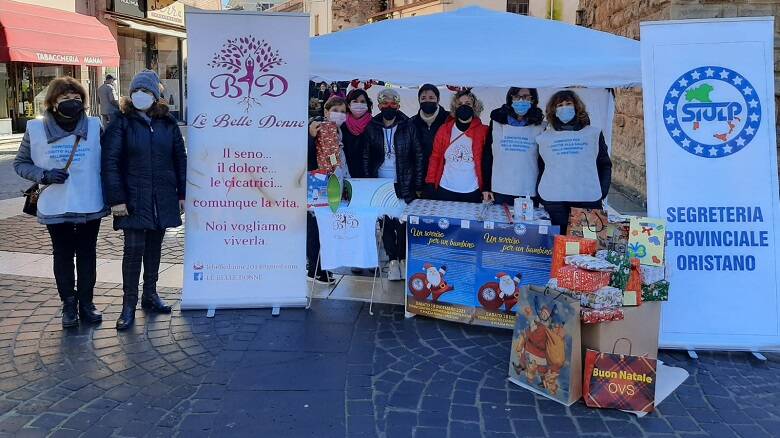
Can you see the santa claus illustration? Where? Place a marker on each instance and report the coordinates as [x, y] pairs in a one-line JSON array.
[[435, 277], [509, 289]]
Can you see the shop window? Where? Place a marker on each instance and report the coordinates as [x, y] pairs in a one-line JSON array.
[[517, 6], [132, 57], [166, 61]]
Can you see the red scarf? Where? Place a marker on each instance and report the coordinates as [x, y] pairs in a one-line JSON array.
[[357, 126]]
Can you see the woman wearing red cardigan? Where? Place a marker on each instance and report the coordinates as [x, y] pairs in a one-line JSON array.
[[455, 166]]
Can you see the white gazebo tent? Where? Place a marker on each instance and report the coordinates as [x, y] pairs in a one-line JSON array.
[[479, 48]]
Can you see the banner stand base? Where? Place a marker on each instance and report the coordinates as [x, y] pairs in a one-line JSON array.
[[275, 311], [692, 354], [211, 311], [758, 356]]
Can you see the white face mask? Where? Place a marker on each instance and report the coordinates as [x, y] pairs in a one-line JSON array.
[[337, 118], [358, 109], [141, 100]]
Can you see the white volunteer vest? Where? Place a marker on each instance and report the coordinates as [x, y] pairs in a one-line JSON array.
[[570, 173], [82, 191], [515, 155]]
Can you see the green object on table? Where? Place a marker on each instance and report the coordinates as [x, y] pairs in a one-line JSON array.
[[334, 193]]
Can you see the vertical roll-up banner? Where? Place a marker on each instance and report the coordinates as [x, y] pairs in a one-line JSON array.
[[246, 186], [709, 111]]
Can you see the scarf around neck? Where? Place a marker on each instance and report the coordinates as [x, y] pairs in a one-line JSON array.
[[429, 119], [357, 126]]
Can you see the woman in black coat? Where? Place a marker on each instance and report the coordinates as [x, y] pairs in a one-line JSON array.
[[391, 149], [144, 167]]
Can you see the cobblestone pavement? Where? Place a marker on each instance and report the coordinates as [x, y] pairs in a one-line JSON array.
[[23, 233], [331, 371], [11, 185]]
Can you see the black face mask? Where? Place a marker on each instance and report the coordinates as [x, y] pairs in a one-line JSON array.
[[70, 108], [429, 107], [464, 112], [389, 113]]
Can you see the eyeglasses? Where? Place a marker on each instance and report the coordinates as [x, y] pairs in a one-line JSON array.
[[526, 97], [389, 104]]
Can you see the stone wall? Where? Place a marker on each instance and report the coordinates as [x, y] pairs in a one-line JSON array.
[[352, 13], [622, 17]]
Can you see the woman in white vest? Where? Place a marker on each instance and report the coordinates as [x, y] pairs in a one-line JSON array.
[[510, 165], [574, 165], [71, 205]]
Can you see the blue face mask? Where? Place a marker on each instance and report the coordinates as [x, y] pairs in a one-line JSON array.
[[565, 113], [521, 107]]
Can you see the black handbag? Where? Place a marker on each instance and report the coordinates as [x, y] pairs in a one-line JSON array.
[[33, 193]]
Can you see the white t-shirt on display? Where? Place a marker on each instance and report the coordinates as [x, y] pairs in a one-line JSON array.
[[387, 169], [347, 237], [460, 174]]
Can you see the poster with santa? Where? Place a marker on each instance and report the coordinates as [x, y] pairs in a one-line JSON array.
[[474, 272]]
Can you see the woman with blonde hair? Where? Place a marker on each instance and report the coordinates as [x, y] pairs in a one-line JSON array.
[[61, 152], [144, 180], [574, 165], [455, 166]]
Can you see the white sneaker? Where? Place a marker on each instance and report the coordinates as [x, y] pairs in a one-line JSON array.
[[394, 271], [403, 269]]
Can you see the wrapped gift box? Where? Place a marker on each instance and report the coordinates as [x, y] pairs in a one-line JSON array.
[[568, 246], [581, 280], [658, 291], [596, 316]]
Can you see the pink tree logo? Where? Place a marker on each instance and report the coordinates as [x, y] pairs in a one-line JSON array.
[[245, 64]]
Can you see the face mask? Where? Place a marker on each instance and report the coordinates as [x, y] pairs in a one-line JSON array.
[[70, 108], [521, 107], [389, 113], [464, 112], [337, 118], [141, 100], [429, 107], [358, 109], [565, 113]]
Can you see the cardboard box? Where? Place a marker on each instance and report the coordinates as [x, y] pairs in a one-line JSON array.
[[641, 326]]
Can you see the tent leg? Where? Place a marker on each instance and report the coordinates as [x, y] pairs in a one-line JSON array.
[[758, 356], [692, 354], [211, 312], [373, 287]]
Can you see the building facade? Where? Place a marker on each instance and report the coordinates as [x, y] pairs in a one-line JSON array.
[[562, 10], [130, 35], [622, 17]]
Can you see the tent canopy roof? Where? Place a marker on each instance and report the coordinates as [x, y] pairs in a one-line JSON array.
[[477, 47]]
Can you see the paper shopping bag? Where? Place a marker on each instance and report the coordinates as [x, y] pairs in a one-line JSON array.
[[546, 357], [619, 381], [647, 240], [589, 224]]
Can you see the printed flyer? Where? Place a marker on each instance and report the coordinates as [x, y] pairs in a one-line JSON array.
[[474, 272]]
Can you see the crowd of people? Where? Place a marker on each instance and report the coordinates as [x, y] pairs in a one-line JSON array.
[[133, 166], [552, 155]]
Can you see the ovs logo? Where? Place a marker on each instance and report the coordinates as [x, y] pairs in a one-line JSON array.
[[245, 64], [712, 112]]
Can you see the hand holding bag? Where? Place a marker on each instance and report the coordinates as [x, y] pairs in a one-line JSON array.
[[33, 193]]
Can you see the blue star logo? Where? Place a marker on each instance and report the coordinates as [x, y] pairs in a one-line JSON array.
[[689, 97]]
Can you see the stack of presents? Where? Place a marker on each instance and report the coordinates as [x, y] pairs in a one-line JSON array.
[[592, 331]]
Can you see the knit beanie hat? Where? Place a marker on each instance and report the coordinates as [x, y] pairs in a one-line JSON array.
[[428, 87], [146, 80], [389, 95]]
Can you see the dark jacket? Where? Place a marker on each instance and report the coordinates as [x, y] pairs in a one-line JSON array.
[[144, 167], [501, 115], [353, 151], [408, 154], [603, 165], [427, 134]]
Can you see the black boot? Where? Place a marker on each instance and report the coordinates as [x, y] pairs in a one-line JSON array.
[[70, 316], [151, 302], [88, 313], [127, 317]]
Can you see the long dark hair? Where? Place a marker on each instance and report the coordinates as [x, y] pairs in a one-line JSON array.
[[354, 94], [581, 118], [534, 116]]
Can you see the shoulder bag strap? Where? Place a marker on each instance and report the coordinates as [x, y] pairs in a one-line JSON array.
[[72, 152]]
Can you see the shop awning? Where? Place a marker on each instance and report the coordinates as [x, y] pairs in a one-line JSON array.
[[31, 33], [148, 28]]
